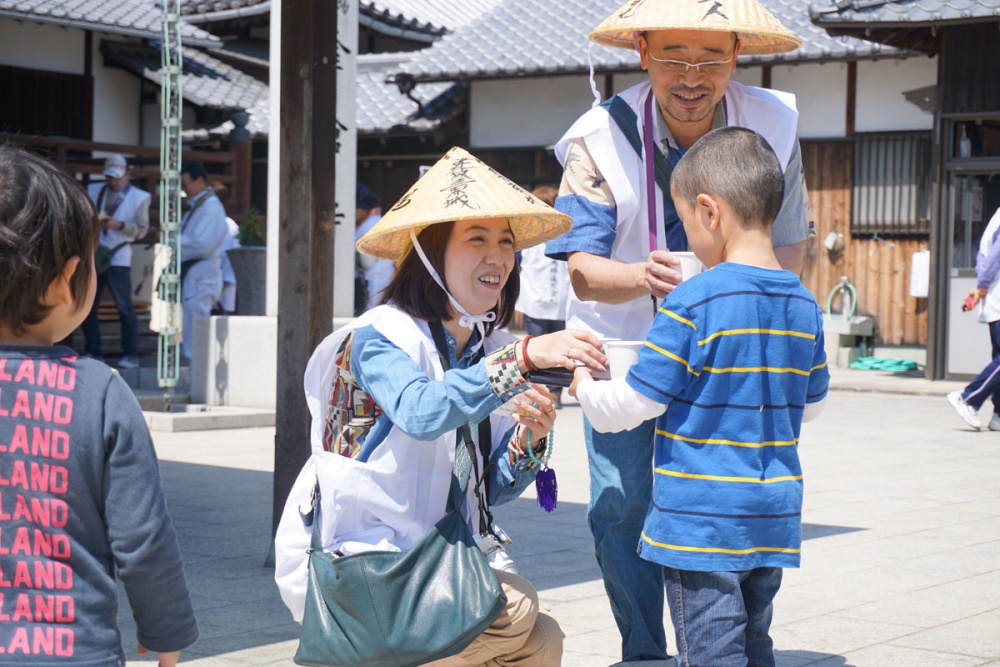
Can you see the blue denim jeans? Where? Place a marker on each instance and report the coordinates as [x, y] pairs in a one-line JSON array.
[[119, 281], [987, 384], [723, 619], [621, 486]]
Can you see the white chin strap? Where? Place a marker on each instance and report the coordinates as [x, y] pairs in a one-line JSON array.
[[593, 84], [466, 320]]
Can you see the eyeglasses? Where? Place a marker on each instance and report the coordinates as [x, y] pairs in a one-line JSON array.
[[708, 68]]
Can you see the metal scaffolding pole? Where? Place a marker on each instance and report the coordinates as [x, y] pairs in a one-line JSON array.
[[171, 109]]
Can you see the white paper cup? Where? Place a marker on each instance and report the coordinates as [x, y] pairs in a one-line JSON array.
[[690, 264], [622, 354]]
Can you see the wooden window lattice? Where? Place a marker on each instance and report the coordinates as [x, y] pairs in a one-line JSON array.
[[892, 183]]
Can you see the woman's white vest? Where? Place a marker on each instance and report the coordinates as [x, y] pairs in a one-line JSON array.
[[125, 212], [389, 501], [770, 113]]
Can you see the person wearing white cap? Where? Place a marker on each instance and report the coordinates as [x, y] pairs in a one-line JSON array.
[[388, 392], [124, 214], [617, 160]]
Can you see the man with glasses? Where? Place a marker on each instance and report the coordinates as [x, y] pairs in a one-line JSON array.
[[625, 228]]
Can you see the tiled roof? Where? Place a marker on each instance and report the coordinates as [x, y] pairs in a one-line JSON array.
[[430, 16], [903, 13], [381, 107], [203, 7], [135, 18], [210, 83], [541, 37]]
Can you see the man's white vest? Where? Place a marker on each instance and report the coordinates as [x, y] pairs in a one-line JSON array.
[[770, 113], [133, 200]]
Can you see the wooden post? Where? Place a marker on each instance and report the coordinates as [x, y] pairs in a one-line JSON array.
[[242, 165], [306, 130]]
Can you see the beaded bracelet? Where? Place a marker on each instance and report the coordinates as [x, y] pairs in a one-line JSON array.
[[524, 354], [550, 442]]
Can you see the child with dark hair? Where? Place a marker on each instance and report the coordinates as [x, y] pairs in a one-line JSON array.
[[733, 365], [80, 494]]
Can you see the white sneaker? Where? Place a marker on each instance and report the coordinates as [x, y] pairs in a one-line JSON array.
[[965, 410], [995, 422]]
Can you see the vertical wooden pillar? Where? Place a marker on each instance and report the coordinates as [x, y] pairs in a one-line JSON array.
[[307, 132], [242, 166], [852, 98]]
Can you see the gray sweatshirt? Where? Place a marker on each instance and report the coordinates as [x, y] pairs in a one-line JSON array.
[[80, 499]]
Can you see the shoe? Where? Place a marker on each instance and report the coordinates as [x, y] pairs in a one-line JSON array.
[[128, 362], [995, 422], [964, 410]]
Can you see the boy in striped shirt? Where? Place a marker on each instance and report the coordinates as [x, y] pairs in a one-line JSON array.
[[737, 355]]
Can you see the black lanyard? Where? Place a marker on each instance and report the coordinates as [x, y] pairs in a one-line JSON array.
[[482, 482]]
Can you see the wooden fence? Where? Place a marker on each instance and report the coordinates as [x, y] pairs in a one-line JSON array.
[[878, 267], [229, 169]]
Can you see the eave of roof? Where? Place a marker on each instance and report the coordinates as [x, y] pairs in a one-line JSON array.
[[192, 35]]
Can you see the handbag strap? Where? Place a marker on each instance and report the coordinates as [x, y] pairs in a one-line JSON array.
[[465, 451]]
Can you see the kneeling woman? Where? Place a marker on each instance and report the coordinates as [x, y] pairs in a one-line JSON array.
[[384, 466]]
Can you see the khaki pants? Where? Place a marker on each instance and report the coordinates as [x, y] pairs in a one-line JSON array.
[[522, 635]]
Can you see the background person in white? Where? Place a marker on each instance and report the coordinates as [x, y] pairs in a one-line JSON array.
[[124, 214], [203, 234], [377, 272], [617, 259], [544, 288]]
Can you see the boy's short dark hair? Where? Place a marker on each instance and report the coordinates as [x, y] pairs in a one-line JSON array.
[[195, 169], [414, 291], [45, 219], [739, 166]]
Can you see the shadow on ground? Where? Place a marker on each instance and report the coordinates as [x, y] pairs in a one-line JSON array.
[[223, 522], [809, 659]]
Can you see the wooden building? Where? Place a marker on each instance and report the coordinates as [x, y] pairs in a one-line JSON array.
[[963, 184]]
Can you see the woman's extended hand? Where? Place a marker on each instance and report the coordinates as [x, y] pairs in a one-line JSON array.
[[567, 349], [536, 413]]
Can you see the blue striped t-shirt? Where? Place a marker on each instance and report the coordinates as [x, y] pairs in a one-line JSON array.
[[735, 352]]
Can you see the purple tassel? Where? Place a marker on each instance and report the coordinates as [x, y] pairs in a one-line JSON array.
[[546, 488]]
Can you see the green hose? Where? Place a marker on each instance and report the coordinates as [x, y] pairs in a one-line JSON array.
[[843, 286], [885, 364]]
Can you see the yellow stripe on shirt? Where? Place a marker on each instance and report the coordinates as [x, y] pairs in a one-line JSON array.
[[734, 443], [672, 356], [771, 332], [716, 478], [755, 369], [677, 317], [717, 550]]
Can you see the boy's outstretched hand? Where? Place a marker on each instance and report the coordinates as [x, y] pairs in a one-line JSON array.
[[166, 659], [579, 375]]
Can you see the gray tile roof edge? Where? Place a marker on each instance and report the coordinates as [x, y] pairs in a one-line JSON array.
[[827, 16], [102, 27], [752, 61], [224, 14]]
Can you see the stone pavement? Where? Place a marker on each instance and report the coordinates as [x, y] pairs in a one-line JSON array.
[[901, 560]]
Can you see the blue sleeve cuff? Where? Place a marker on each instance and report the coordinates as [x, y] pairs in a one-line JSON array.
[[593, 228]]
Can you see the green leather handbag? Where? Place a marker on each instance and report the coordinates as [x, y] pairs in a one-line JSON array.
[[394, 609]]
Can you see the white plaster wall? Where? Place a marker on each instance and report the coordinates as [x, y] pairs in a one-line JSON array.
[[880, 103], [820, 96], [116, 102], [36, 46], [526, 111], [749, 76]]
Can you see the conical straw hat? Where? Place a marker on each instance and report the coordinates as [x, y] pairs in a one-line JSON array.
[[460, 186], [760, 32]]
